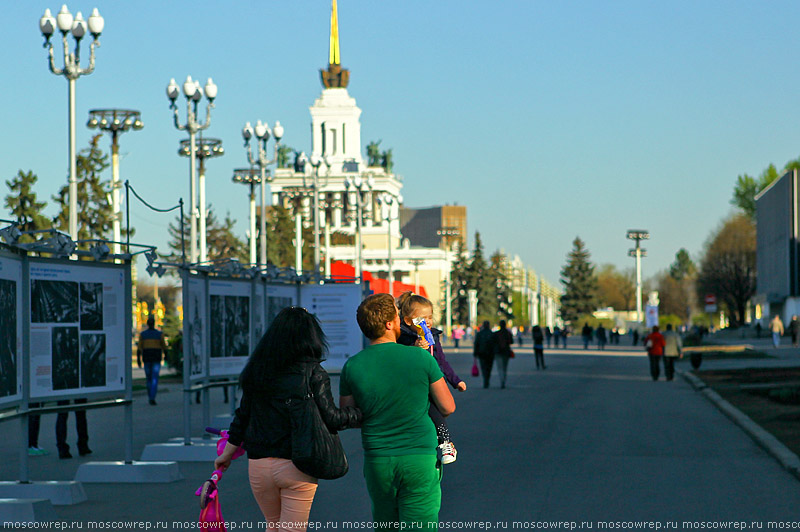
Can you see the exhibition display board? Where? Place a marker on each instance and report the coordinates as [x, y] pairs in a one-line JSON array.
[[229, 315], [11, 330], [77, 329], [335, 306]]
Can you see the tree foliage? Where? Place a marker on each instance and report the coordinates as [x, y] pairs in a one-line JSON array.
[[683, 267], [459, 279], [502, 285], [580, 283], [728, 267], [478, 274], [616, 289], [747, 187], [24, 206], [222, 242]]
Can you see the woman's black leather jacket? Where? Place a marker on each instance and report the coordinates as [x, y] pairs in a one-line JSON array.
[[262, 422]]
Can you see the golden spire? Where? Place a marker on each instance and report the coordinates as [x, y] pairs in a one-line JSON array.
[[334, 47], [335, 76]]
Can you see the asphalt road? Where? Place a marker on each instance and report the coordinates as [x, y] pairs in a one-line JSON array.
[[591, 438]]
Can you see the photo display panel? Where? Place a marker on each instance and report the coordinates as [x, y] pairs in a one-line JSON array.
[[229, 326], [335, 306], [77, 329], [278, 298], [10, 331], [259, 316], [194, 311]]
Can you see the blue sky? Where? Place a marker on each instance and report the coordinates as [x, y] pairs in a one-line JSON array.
[[546, 119]]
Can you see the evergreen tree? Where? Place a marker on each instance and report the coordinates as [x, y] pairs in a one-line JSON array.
[[498, 272], [281, 239], [479, 280], [222, 242], [580, 283], [23, 205], [95, 212], [683, 267], [459, 284]]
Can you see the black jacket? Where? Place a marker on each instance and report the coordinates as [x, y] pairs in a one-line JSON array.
[[262, 421]]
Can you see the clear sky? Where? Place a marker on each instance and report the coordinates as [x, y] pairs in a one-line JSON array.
[[546, 119]]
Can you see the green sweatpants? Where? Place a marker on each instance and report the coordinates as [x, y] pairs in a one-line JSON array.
[[404, 490]]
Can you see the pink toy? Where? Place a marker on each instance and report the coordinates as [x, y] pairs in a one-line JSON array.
[[211, 514]]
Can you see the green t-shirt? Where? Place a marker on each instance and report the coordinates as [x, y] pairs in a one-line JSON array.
[[391, 384]]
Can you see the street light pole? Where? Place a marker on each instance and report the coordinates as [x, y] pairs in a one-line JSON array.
[[193, 93], [262, 133], [207, 149], [388, 201], [638, 235], [359, 186], [248, 176], [72, 71], [447, 233], [115, 121]]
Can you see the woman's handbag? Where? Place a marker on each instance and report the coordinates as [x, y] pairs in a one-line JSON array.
[[475, 372], [316, 451]]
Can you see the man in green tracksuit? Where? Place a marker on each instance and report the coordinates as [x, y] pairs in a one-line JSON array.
[[391, 384]]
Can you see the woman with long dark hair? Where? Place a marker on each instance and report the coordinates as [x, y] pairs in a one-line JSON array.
[[293, 344]]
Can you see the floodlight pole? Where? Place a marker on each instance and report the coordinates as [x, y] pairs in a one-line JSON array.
[[638, 253]]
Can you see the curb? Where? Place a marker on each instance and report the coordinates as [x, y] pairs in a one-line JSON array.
[[785, 457]]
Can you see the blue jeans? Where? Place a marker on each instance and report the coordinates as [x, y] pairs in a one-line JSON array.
[[151, 371], [776, 339]]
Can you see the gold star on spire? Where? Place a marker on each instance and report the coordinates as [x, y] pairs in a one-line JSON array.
[[335, 76]]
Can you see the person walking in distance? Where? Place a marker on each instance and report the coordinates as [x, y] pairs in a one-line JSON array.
[[600, 333], [776, 326], [284, 364], [673, 348], [152, 346], [654, 342], [548, 334], [794, 329], [484, 351], [587, 333], [392, 384], [538, 346], [502, 342]]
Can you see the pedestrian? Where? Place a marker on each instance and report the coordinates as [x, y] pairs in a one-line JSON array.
[[520, 334], [81, 426], [654, 342], [673, 348], [758, 329], [152, 346], [458, 334], [289, 351], [556, 335], [483, 350], [586, 334], [635, 336], [502, 341], [564, 335], [538, 346], [413, 307], [600, 333], [794, 329], [392, 383], [34, 423], [548, 334], [776, 326]]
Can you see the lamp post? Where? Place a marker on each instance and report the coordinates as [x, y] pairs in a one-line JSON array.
[[116, 122], [72, 71], [638, 235], [388, 202], [248, 176], [193, 93], [262, 134], [416, 263], [316, 162], [447, 233], [359, 186], [207, 149], [472, 298]]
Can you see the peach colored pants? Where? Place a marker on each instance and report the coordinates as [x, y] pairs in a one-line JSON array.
[[283, 492]]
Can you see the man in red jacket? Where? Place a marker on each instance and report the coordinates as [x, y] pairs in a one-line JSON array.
[[655, 351]]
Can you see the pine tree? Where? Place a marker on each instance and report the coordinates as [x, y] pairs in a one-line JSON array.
[[23, 205], [502, 286], [222, 242], [479, 280], [459, 284], [95, 212], [580, 283]]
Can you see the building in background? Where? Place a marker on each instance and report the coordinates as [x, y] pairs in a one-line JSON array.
[[434, 227]]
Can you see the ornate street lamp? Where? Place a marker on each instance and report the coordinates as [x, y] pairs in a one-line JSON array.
[[447, 234], [390, 205], [638, 235], [356, 189], [249, 176], [72, 71], [204, 149], [193, 93], [262, 134], [116, 122]]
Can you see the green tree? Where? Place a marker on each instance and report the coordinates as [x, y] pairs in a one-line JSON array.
[[616, 289], [683, 267], [283, 155], [459, 279], [222, 242], [95, 212], [747, 187], [502, 285], [282, 236], [580, 283], [479, 280], [24, 206], [728, 267]]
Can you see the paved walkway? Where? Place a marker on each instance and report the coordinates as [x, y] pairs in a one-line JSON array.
[[592, 438]]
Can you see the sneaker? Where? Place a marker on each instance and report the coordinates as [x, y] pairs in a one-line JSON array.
[[37, 451], [448, 452], [153, 402]]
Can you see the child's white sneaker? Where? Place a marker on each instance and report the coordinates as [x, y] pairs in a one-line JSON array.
[[448, 452]]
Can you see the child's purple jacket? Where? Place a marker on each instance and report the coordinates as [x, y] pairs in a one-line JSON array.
[[409, 336]]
